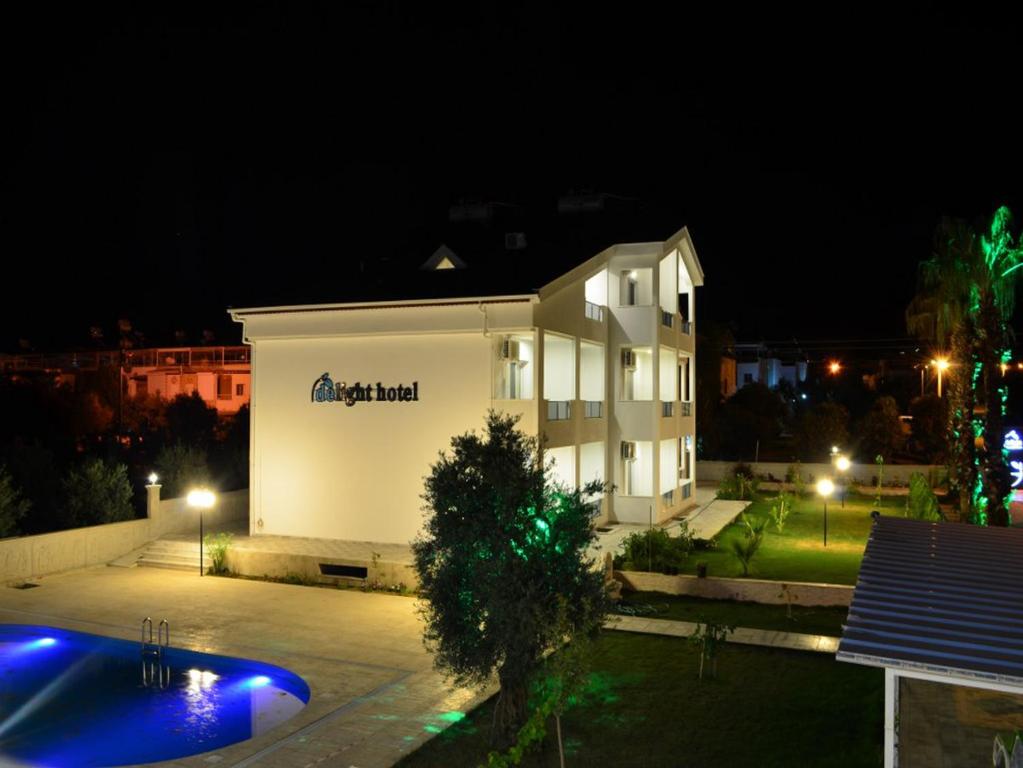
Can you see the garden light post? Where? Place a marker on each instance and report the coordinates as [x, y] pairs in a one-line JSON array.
[[942, 365], [842, 464], [825, 488], [201, 499]]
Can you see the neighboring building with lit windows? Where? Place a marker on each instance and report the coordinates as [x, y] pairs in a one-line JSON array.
[[352, 401]]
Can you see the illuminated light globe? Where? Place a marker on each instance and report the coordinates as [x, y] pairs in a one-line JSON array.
[[152, 478], [825, 487], [201, 498], [842, 463]]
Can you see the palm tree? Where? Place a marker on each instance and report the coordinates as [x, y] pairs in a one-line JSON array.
[[993, 299], [965, 300], [939, 314]]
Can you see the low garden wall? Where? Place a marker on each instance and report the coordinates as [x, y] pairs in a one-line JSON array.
[[747, 590], [29, 557], [859, 474]]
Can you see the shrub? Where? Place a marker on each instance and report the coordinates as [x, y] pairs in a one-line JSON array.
[[708, 636], [12, 506], [97, 493], [794, 475], [780, 511], [742, 469], [217, 545], [656, 550], [181, 467], [745, 549], [921, 503], [737, 487]]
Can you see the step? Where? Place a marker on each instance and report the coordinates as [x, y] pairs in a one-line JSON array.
[[144, 563], [181, 560], [174, 545]]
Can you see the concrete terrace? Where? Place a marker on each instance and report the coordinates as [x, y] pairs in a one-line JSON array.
[[375, 695]]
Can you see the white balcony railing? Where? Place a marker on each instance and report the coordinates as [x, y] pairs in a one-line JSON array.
[[559, 410], [594, 311]]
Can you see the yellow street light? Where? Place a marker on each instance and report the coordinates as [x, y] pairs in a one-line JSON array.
[[942, 365], [834, 367], [201, 498], [824, 489]]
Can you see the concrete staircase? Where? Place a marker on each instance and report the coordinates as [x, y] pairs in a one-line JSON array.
[[172, 553]]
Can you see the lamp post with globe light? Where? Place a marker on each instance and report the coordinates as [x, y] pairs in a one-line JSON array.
[[842, 464], [201, 498], [824, 489]]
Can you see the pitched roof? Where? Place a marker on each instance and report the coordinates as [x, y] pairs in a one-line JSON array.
[[946, 598]]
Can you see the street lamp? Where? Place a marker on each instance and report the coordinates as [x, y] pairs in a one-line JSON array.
[[152, 478], [834, 367], [201, 499], [942, 365], [842, 464], [825, 488]]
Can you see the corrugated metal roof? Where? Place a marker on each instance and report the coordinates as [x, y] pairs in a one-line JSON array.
[[941, 597]]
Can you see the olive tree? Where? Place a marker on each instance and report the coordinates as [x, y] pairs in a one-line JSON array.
[[503, 555]]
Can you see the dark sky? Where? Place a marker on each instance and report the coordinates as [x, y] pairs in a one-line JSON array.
[[165, 166]]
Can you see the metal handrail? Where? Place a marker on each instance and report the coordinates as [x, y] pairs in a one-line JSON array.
[[163, 642]]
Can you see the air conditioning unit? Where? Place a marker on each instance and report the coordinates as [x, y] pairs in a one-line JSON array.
[[509, 350], [629, 359], [628, 450]]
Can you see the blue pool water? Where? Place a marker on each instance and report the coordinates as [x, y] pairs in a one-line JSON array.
[[72, 699]]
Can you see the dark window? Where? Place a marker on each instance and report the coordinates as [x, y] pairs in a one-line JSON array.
[[239, 389], [224, 387]]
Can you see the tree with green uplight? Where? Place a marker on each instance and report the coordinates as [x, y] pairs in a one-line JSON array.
[[503, 565]]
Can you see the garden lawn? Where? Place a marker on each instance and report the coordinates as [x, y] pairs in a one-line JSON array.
[[646, 707], [798, 552], [807, 620]]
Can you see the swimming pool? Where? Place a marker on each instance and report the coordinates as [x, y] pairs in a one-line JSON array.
[[73, 699]]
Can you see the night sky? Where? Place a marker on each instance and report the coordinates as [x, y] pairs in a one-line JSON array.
[[165, 167]]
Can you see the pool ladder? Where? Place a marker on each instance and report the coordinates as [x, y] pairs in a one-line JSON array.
[[149, 648]]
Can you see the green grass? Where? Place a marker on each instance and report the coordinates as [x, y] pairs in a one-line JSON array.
[[645, 707], [798, 553], [812, 621]]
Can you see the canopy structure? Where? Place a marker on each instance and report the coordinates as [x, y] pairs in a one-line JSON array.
[[937, 602]]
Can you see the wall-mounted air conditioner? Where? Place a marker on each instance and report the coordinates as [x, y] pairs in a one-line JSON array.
[[509, 350], [629, 359], [628, 450]]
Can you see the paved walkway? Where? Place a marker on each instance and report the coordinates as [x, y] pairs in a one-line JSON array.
[[375, 694], [767, 638]]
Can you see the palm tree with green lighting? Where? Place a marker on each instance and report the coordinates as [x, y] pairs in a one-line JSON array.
[[967, 296], [993, 299]]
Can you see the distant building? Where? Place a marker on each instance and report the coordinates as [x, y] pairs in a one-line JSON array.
[[221, 375], [756, 363]]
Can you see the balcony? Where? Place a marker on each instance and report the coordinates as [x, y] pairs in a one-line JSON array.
[[687, 489], [593, 409], [687, 408], [667, 319], [668, 498], [687, 327], [667, 408], [594, 311], [559, 410]]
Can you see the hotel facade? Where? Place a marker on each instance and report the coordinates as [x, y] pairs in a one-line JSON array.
[[351, 402]]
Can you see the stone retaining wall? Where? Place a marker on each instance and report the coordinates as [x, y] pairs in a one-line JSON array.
[[859, 473], [28, 557], [747, 590]]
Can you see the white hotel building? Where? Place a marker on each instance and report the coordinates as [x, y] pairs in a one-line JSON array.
[[351, 402]]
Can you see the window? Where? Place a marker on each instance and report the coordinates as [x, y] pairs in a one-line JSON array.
[[239, 390], [224, 386], [747, 378]]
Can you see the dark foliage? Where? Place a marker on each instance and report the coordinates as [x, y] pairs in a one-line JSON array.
[[502, 557]]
